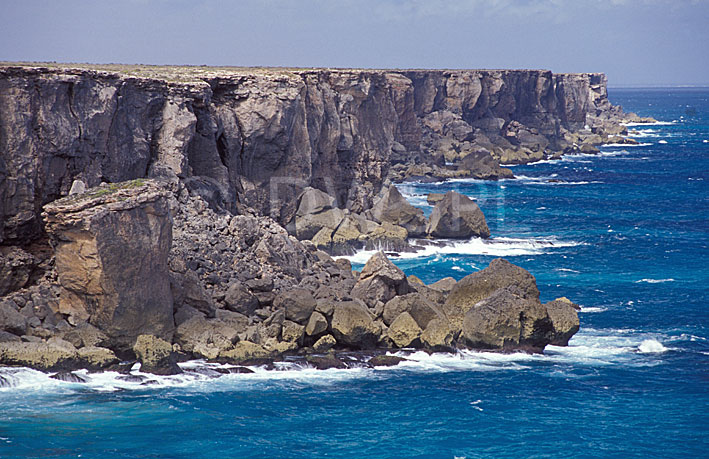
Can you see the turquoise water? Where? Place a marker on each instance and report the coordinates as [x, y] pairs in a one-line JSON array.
[[624, 234]]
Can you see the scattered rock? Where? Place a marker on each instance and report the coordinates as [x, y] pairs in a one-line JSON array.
[[386, 360], [391, 207], [352, 326], [297, 303], [244, 352]]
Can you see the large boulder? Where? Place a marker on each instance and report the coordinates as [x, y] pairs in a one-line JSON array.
[[480, 164], [111, 246], [475, 287], [422, 310], [156, 355], [457, 216], [404, 331], [380, 280], [352, 325], [239, 299], [565, 320], [507, 320], [298, 304], [438, 335], [244, 352], [316, 212], [45, 356], [96, 358], [11, 320], [207, 338], [390, 206]]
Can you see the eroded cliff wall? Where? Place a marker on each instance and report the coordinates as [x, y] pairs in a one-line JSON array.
[[259, 137]]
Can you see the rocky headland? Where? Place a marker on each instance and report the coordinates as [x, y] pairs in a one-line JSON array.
[[165, 213]]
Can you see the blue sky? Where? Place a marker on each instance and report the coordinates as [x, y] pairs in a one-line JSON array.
[[635, 42]]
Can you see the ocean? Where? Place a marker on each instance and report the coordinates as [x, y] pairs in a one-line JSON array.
[[623, 233]]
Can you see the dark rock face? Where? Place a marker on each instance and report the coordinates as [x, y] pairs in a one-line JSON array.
[[111, 247], [260, 138], [457, 216]]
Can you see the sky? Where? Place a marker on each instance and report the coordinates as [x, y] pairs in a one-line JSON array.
[[635, 42]]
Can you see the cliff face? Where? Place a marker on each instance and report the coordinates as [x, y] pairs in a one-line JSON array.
[[259, 137]]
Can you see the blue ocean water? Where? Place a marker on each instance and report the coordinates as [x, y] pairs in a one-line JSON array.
[[623, 233]]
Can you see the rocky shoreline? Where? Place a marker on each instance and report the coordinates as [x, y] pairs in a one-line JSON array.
[[206, 205]]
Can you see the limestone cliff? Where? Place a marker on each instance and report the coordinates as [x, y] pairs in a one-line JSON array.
[[258, 137]]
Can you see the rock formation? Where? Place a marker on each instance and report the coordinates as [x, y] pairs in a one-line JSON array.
[[191, 212]]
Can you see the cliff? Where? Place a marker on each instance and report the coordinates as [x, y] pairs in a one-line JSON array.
[[258, 137]]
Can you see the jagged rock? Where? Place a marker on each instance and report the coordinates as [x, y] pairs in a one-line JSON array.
[[111, 249], [156, 355], [481, 165], [244, 352], [85, 335], [316, 325], [507, 320], [475, 287], [434, 198], [420, 308], [292, 332], [325, 362], [443, 285], [8, 337], [207, 338], [16, 266], [404, 331], [298, 304], [95, 358], [313, 201], [11, 320], [239, 299], [386, 236], [393, 208], [438, 335], [352, 326], [457, 216], [380, 280], [386, 360], [69, 377], [324, 344], [38, 355], [565, 320]]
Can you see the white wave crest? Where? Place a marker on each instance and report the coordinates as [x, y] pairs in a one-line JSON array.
[[656, 123], [499, 247], [642, 144], [654, 281], [652, 346]]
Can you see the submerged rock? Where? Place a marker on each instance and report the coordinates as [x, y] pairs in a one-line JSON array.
[[386, 360]]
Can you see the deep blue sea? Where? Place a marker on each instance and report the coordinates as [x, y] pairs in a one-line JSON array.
[[623, 233]]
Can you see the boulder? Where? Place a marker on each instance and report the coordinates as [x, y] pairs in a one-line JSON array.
[[11, 320], [111, 247], [386, 360], [507, 320], [457, 216], [380, 280], [207, 338], [325, 362], [308, 225], [243, 353], [292, 332], [40, 355], [298, 304], [391, 207], [481, 165], [239, 299], [564, 319], [317, 324], [416, 304], [156, 355], [85, 335], [438, 335], [434, 198], [404, 331], [324, 344], [475, 287], [353, 326], [69, 377], [96, 358]]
